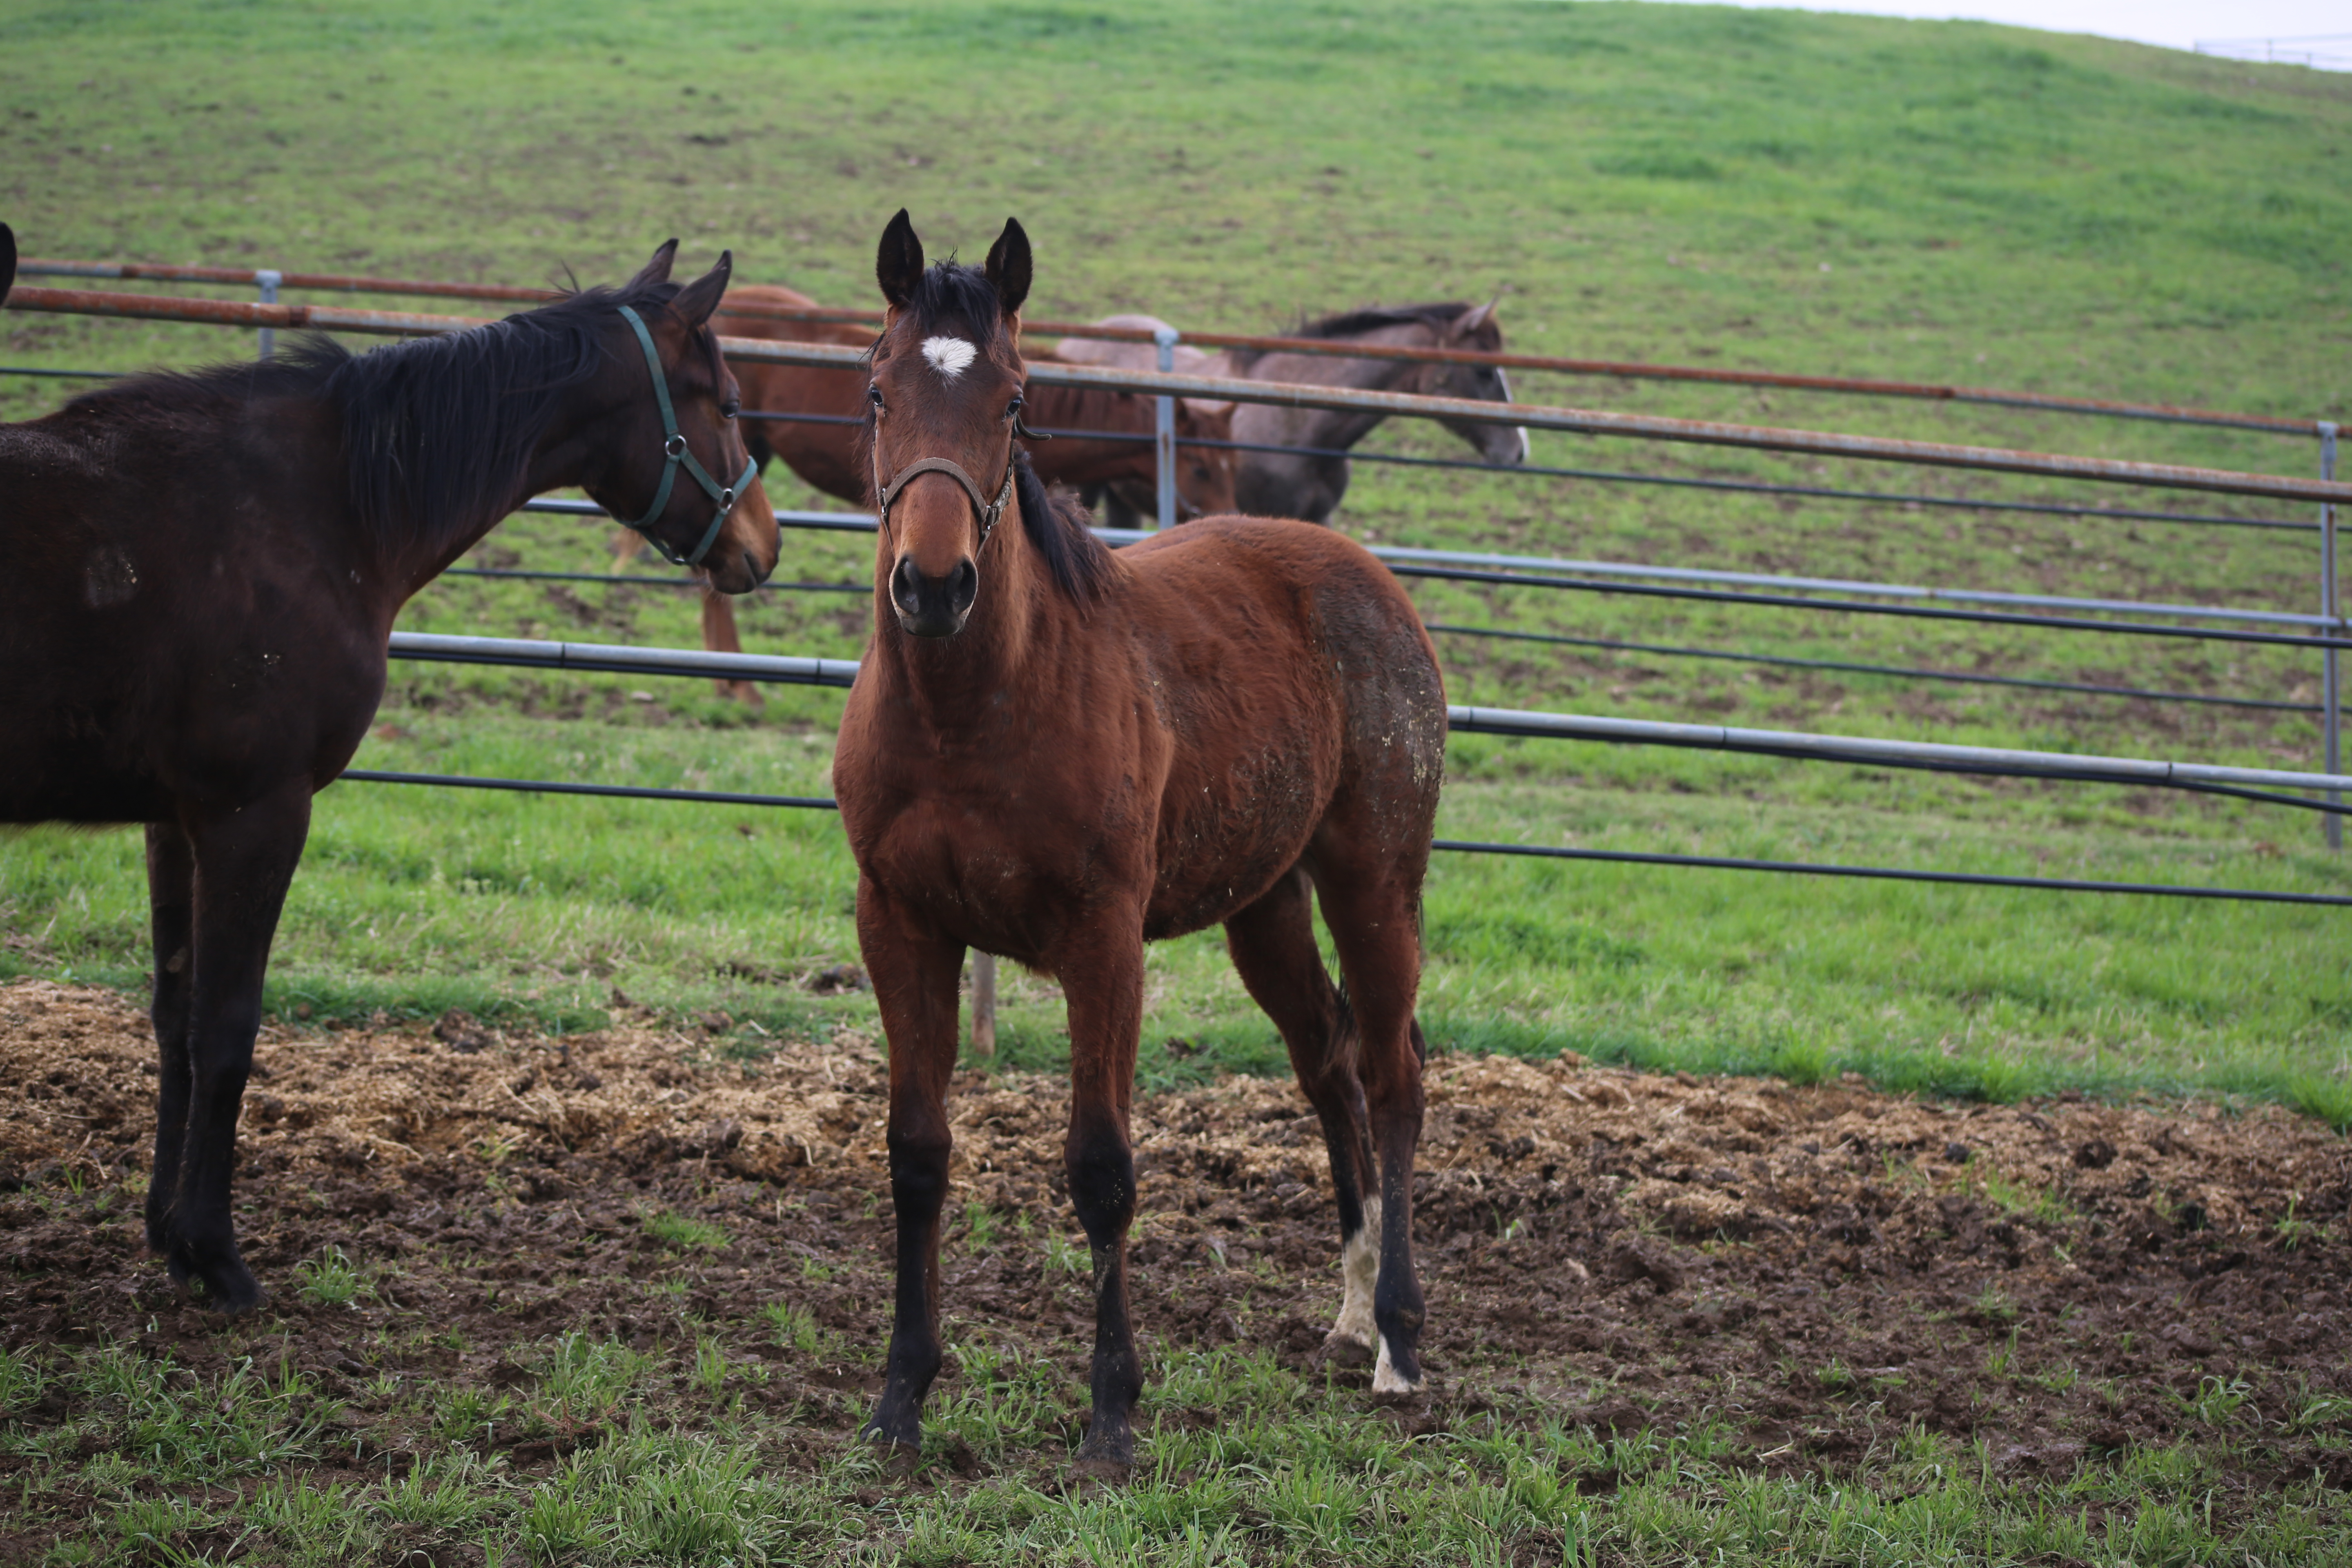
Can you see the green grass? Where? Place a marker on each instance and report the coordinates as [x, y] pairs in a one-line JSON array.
[[1932, 200], [682, 1233], [1246, 1462]]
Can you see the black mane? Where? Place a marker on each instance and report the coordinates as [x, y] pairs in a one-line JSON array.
[[435, 429], [1059, 528], [1348, 323], [1371, 318]]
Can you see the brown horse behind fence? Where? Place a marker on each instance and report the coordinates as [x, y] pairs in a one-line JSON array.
[[1057, 755], [824, 443], [202, 573]]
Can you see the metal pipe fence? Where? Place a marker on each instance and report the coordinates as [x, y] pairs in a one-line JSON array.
[[1614, 475], [851, 521], [1405, 563], [1165, 386], [1926, 755], [1853, 668]]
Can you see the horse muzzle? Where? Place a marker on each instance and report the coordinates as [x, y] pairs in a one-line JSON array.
[[933, 606]]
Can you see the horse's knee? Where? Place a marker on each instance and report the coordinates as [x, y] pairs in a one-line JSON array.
[[1102, 1183], [919, 1171]]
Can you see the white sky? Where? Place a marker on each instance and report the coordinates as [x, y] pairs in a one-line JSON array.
[[2174, 24]]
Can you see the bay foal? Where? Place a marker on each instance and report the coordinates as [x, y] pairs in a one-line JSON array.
[[203, 571], [1056, 754]]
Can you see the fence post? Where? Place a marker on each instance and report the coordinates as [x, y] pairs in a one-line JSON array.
[[268, 281], [2331, 687], [984, 1003], [1164, 428]]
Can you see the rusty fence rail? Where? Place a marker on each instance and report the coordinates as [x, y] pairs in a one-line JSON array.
[[1260, 343]]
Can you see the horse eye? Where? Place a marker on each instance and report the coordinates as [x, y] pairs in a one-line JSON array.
[[874, 395], [729, 409], [1015, 408]]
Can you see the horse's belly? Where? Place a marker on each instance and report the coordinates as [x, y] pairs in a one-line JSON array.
[[1221, 848]]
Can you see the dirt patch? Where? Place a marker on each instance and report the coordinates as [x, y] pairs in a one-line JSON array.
[[1820, 1267]]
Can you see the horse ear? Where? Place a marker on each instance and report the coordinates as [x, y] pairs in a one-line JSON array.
[[1009, 267], [1470, 321], [898, 265], [7, 259], [658, 269], [699, 299]]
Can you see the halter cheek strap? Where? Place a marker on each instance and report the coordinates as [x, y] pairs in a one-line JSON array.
[[674, 456]]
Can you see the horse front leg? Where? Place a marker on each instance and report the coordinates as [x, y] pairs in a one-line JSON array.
[[915, 974], [171, 907], [1104, 987], [243, 861]]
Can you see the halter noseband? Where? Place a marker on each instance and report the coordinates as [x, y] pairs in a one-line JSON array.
[[674, 453], [990, 512]]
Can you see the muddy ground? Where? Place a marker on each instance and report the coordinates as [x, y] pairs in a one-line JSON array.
[[1822, 1267]]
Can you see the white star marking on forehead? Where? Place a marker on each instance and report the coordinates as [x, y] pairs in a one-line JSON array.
[[949, 355]]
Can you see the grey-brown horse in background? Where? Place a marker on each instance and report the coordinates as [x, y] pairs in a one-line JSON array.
[[1296, 484]]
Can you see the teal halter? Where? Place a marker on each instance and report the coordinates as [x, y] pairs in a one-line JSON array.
[[674, 449]]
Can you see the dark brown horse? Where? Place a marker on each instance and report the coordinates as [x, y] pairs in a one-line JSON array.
[[1056, 755], [1307, 485], [830, 456], [202, 573]]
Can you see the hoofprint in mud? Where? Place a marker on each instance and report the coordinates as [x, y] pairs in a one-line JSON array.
[[1621, 1248]]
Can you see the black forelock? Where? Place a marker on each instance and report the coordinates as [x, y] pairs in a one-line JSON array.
[[951, 294], [1057, 527], [435, 429]]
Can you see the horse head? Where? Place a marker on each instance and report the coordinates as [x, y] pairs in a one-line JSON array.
[[676, 397], [1204, 475], [943, 404], [1502, 445], [7, 260]]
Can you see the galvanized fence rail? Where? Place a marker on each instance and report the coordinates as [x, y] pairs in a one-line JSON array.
[[1966, 760]]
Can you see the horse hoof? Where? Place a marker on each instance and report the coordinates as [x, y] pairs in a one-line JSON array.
[[1341, 1349], [1085, 1472], [899, 1448], [229, 1285]]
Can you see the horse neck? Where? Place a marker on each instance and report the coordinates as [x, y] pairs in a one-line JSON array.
[[1345, 428], [572, 450]]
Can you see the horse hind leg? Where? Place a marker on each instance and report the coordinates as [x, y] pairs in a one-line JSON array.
[[1272, 947], [1375, 926]]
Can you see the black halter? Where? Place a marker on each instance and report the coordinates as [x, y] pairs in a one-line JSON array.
[[674, 456]]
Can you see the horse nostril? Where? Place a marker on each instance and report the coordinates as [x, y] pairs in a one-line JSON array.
[[906, 587], [963, 585]]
